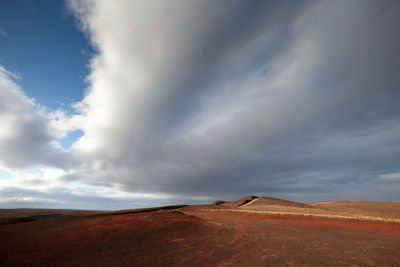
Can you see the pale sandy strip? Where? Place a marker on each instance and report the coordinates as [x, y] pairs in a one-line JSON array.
[[360, 217]]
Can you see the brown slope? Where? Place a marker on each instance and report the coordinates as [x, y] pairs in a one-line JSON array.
[[263, 202], [8, 216], [372, 209], [365, 210]]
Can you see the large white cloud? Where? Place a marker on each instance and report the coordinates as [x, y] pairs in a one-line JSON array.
[[34, 162], [29, 133]]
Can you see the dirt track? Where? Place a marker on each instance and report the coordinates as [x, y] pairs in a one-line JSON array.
[[191, 237]]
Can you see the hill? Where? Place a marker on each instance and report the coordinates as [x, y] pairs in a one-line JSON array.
[[366, 210], [239, 202]]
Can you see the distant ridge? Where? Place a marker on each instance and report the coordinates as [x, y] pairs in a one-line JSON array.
[[218, 202], [261, 203], [344, 209]]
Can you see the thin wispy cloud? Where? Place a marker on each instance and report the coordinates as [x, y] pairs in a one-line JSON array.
[[3, 32]]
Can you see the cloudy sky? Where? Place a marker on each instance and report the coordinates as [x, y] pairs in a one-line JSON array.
[[122, 104]]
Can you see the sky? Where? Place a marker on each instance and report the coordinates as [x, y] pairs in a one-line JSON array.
[[126, 104]]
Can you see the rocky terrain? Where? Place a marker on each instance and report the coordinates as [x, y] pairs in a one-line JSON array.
[[252, 231]]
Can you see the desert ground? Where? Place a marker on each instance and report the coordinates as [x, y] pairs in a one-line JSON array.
[[252, 231]]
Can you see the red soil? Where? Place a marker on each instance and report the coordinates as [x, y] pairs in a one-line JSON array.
[[194, 237], [387, 228]]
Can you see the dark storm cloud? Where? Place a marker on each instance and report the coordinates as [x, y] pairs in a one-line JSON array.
[[295, 99]]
